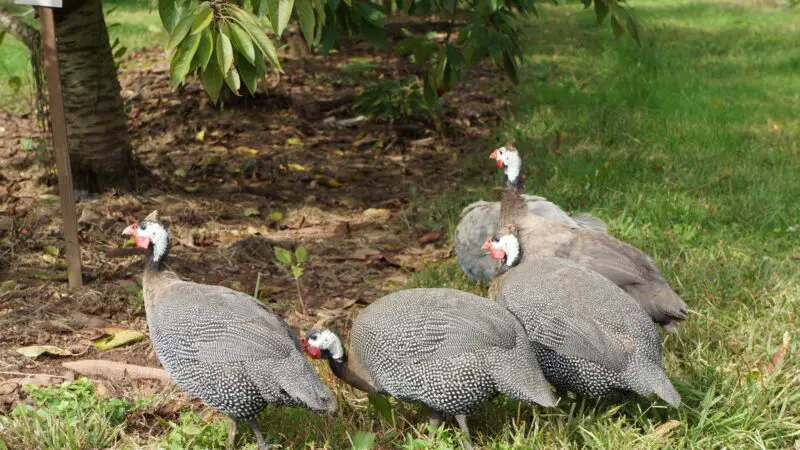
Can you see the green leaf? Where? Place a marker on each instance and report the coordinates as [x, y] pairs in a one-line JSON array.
[[617, 27], [182, 59], [202, 17], [205, 49], [275, 216], [171, 12], [284, 14], [255, 31], [35, 351], [273, 11], [284, 256], [212, 80], [429, 92], [224, 53], [301, 254], [363, 440], [233, 81], [600, 10], [381, 405], [305, 15], [247, 73], [297, 271], [510, 67], [117, 337], [243, 42], [179, 32], [15, 83]]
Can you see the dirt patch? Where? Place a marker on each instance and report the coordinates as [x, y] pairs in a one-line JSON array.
[[294, 166]]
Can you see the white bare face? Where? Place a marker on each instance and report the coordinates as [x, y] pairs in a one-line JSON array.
[[327, 340], [156, 234], [507, 246], [511, 162]]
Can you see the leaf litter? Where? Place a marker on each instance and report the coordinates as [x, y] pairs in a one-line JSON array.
[[275, 170]]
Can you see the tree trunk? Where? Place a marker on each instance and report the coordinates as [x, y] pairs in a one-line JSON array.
[[101, 156]]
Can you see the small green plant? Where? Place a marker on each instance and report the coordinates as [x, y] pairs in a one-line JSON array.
[[70, 415], [37, 146], [136, 296], [392, 98], [191, 431], [284, 257], [362, 440]]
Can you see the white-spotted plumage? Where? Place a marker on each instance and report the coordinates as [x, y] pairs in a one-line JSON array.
[[448, 349], [590, 336], [221, 345]]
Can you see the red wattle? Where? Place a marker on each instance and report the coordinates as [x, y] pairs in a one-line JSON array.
[[313, 352], [142, 241], [499, 164], [497, 253]]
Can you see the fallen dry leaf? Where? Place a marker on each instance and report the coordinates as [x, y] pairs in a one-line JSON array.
[[116, 337], [34, 351], [377, 214], [779, 356], [663, 430], [363, 253], [250, 212], [433, 236]]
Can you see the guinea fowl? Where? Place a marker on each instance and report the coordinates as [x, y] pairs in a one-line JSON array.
[[626, 266], [481, 219], [590, 337], [448, 349], [221, 345]]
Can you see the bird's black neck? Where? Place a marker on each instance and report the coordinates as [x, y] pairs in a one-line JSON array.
[[155, 265], [341, 369]]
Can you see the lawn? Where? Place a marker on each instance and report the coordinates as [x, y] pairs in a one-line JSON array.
[[689, 148], [133, 23]]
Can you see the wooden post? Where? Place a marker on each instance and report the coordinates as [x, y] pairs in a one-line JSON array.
[[59, 128]]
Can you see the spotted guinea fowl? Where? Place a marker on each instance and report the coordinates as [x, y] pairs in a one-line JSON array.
[[222, 345], [626, 266], [590, 337], [448, 349], [481, 219]]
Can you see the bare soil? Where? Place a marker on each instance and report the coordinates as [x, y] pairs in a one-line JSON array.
[[286, 168]]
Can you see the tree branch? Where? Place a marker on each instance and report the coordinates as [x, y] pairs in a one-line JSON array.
[[20, 30]]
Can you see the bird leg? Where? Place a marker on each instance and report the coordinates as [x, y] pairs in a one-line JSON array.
[[434, 420], [462, 423], [262, 443]]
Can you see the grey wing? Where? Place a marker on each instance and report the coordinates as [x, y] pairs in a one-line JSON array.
[[227, 326], [615, 260], [590, 222], [458, 326], [478, 221], [554, 318]]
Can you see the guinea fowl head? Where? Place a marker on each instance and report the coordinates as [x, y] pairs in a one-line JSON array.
[[323, 344], [150, 234], [505, 248], [508, 159]]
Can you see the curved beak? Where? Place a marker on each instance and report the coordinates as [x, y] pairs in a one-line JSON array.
[[130, 230], [487, 245]]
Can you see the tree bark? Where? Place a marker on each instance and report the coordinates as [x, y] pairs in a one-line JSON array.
[[101, 156], [20, 30]]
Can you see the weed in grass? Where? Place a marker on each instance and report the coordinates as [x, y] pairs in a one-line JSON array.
[[70, 415]]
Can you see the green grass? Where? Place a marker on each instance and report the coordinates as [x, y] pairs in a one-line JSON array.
[[688, 148], [139, 27]]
